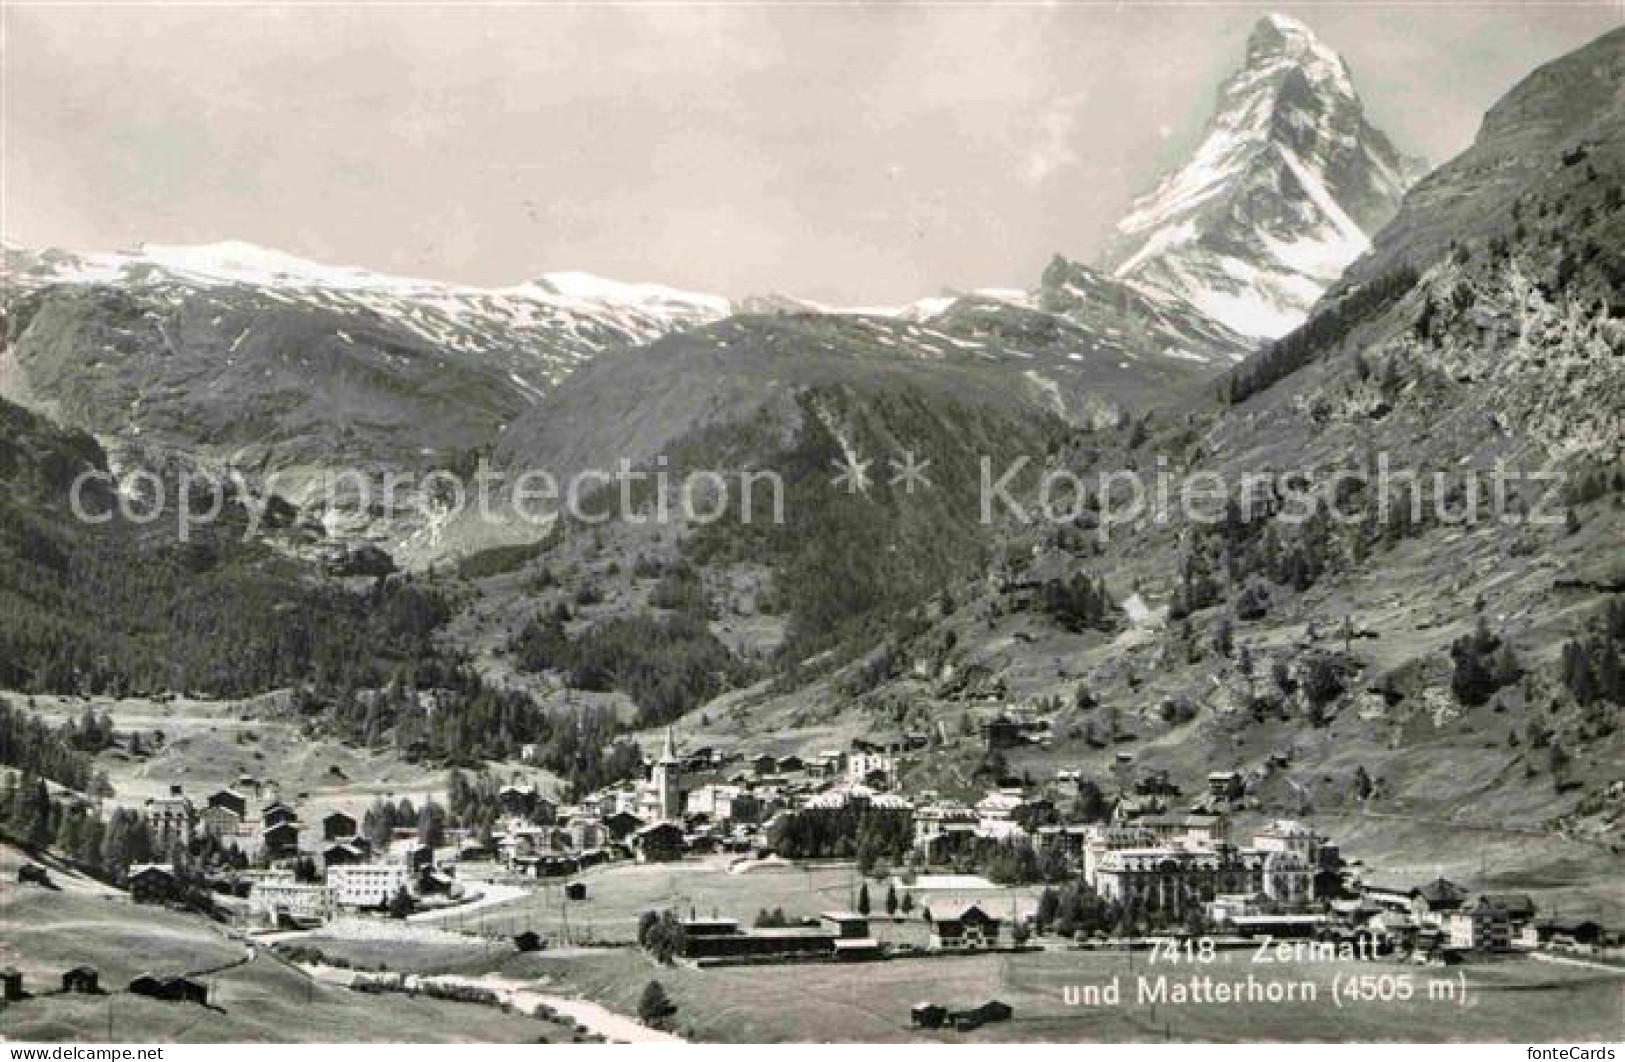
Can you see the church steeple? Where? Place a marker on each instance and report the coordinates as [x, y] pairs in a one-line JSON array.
[[667, 779]]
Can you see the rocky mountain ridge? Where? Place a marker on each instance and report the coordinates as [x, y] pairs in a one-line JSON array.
[[1282, 193]]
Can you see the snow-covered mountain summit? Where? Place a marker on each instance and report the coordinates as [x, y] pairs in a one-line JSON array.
[[576, 313], [1284, 190]]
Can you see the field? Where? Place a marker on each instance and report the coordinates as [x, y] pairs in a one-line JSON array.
[[403, 948], [1515, 1000], [617, 894], [251, 999]]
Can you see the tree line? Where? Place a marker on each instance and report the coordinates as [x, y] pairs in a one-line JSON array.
[[1325, 330]]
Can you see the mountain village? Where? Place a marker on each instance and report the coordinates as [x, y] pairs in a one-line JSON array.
[[883, 770], [1160, 865]]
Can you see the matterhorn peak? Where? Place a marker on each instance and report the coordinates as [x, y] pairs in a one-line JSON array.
[[1283, 192], [1282, 35], [1279, 44]]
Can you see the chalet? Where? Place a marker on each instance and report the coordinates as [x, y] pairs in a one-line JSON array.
[[1225, 785], [886, 741], [33, 874], [11, 984], [280, 840], [1433, 902], [928, 1015], [82, 980], [221, 822], [277, 813], [342, 854], [827, 764], [529, 940], [524, 843], [1328, 885], [547, 866], [231, 800], [336, 826], [791, 764], [1003, 732], [704, 758], [764, 765], [1156, 783], [622, 824], [661, 842], [587, 831], [962, 928], [433, 882], [170, 989], [153, 883]]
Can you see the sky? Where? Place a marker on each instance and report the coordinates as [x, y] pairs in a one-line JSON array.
[[856, 154]]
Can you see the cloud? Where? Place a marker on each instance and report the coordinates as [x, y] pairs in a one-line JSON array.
[[1053, 149]]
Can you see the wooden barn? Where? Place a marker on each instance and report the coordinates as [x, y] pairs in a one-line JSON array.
[[81, 979], [170, 989], [928, 1015]]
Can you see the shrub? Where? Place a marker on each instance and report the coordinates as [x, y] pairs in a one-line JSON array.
[[655, 1008]]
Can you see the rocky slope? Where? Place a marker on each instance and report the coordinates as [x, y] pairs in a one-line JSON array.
[[1551, 121], [1102, 349], [1282, 193]]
